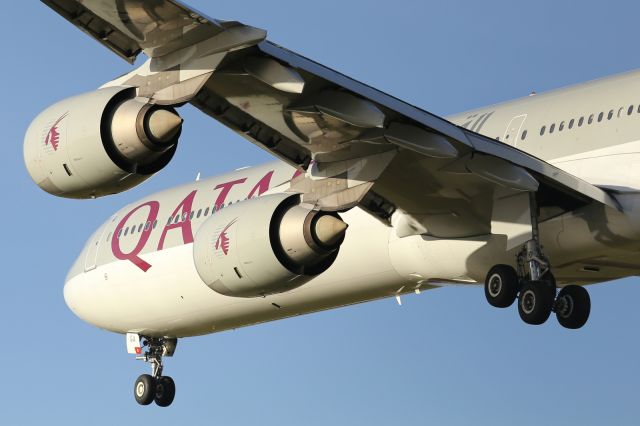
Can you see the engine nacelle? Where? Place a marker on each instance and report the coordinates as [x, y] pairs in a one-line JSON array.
[[266, 245], [99, 143]]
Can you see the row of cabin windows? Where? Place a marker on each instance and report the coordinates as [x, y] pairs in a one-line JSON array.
[[175, 219], [581, 120]]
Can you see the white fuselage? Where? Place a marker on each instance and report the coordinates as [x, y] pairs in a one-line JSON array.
[[131, 280]]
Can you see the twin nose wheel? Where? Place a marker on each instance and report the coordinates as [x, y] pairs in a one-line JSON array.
[[537, 299], [148, 389]]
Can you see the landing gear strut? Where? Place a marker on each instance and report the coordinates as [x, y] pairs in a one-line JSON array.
[[534, 286], [154, 387]]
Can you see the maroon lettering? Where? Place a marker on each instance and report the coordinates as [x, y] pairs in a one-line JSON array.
[[297, 173], [226, 188], [184, 209], [133, 256], [262, 186]]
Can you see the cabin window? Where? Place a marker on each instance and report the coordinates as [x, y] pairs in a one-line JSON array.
[[561, 128], [206, 211], [140, 227], [571, 123], [524, 135], [199, 213], [542, 130], [591, 119], [610, 115], [126, 231], [155, 223], [169, 220], [120, 233], [600, 116], [177, 218], [191, 215], [185, 215], [580, 121], [552, 128], [620, 112], [630, 110], [147, 226]]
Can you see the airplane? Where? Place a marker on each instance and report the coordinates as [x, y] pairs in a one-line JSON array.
[[369, 197]]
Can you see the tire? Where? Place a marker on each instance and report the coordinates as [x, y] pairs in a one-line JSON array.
[[535, 302], [144, 389], [165, 391], [501, 286], [573, 307]]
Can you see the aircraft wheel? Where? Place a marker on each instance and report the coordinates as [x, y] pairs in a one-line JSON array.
[[144, 389], [573, 307], [165, 391], [501, 286], [535, 302]]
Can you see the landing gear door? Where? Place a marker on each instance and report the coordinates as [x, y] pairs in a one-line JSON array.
[[513, 133], [133, 344]]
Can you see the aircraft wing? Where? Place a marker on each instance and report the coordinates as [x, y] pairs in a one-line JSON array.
[[354, 145]]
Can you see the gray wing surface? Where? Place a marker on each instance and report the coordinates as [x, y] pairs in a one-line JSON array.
[[358, 145]]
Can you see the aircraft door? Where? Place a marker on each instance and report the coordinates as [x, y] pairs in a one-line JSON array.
[[92, 251], [91, 258], [513, 133]]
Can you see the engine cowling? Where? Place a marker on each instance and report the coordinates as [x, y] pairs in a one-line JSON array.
[[100, 143], [266, 245]]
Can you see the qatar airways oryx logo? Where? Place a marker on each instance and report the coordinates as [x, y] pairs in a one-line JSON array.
[[222, 242], [53, 135]]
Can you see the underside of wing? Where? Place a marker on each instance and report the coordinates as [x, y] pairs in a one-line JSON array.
[[361, 146], [353, 144]]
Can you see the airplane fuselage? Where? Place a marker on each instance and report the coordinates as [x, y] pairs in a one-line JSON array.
[[137, 274]]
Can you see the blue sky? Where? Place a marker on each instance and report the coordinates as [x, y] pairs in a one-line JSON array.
[[444, 357]]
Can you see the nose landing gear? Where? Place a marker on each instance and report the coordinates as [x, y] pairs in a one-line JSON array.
[[534, 286], [153, 387]]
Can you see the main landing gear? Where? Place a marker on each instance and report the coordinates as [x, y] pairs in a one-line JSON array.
[[154, 387], [534, 286]]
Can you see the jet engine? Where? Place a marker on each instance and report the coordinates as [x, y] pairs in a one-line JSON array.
[[100, 143], [266, 245]]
